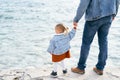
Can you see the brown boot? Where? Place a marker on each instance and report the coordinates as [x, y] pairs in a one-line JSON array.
[[99, 72], [77, 70]]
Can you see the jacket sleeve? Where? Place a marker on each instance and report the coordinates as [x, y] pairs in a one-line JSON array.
[[71, 34], [51, 47], [81, 9], [117, 5]]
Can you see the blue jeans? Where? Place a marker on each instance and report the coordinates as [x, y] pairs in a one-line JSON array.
[[101, 26]]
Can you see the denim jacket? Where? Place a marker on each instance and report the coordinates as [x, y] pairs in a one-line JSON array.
[[96, 9], [60, 43]]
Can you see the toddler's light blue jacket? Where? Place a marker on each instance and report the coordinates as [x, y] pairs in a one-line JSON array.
[[60, 44], [96, 9]]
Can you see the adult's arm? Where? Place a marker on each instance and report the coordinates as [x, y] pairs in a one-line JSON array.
[[117, 5], [81, 10]]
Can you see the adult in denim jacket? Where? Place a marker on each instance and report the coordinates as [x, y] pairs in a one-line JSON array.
[[98, 15]]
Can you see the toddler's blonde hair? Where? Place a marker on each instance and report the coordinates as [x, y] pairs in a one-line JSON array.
[[62, 28]]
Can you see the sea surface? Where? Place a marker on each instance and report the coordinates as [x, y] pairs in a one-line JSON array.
[[26, 27]]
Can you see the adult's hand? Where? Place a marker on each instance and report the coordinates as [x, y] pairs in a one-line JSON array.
[[75, 24]]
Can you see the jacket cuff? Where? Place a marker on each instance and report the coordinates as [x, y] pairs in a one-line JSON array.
[[75, 20]]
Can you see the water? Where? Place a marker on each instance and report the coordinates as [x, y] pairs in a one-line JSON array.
[[26, 26]]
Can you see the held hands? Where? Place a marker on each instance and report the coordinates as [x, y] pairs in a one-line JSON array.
[[75, 24], [113, 18]]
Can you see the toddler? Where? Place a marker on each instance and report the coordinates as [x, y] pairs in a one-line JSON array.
[[59, 47]]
